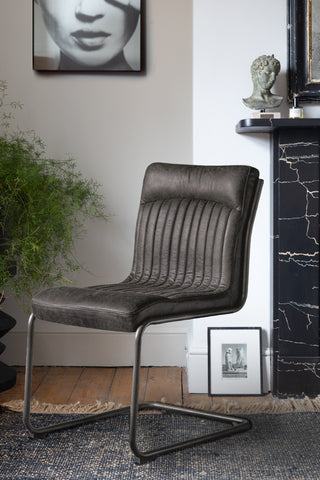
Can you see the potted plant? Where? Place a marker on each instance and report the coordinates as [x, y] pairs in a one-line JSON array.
[[44, 206]]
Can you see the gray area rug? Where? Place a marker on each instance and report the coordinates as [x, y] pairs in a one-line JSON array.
[[279, 447]]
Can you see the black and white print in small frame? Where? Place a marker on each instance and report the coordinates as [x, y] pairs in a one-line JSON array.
[[234, 361]]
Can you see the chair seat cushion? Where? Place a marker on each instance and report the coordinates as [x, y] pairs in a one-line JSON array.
[[124, 306]]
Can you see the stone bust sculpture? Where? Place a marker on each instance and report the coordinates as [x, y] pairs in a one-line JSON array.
[[264, 70]]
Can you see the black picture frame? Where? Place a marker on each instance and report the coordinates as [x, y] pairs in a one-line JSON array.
[[47, 56], [238, 372], [302, 84]]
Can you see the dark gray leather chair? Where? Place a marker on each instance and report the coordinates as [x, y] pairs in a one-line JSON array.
[[190, 260]]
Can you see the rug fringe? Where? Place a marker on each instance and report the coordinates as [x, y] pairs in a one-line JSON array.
[[243, 405], [267, 404], [41, 407]]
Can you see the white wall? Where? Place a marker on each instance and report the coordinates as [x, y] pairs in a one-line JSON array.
[[228, 36], [114, 125]]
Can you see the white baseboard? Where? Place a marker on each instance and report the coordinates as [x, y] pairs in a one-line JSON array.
[[96, 349], [197, 368]]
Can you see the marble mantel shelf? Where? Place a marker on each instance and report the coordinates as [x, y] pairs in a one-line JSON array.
[[264, 125], [295, 157]]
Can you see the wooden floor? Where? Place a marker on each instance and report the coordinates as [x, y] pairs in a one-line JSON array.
[[86, 385]]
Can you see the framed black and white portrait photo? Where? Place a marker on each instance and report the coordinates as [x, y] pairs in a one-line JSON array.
[[234, 361], [88, 35]]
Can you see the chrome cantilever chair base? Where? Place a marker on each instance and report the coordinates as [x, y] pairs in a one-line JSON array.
[[236, 424]]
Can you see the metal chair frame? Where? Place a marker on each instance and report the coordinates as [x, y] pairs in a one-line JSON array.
[[236, 424]]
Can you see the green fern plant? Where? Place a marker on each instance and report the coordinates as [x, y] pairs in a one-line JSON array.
[[44, 206]]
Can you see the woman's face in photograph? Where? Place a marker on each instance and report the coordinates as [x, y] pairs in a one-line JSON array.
[[90, 32]]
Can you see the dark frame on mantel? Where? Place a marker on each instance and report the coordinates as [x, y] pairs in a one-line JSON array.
[[295, 156], [302, 78]]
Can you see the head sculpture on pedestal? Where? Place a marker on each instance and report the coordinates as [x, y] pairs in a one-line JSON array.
[[264, 71]]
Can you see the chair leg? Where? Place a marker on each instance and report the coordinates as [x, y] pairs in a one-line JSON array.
[[38, 432], [236, 424]]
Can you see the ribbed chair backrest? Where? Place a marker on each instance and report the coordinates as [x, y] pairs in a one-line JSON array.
[[193, 227]]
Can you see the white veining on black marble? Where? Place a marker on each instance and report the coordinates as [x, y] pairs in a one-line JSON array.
[[295, 366], [296, 240]]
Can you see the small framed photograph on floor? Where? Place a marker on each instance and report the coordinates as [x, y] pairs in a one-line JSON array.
[[234, 361]]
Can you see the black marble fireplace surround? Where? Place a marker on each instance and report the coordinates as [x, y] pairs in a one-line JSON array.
[[295, 156]]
